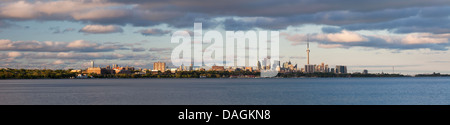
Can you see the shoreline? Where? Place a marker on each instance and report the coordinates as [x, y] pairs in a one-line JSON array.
[[235, 78]]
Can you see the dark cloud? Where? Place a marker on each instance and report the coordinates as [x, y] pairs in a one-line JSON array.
[[159, 49], [140, 49], [57, 30], [375, 42], [331, 29], [336, 18], [256, 13], [246, 15], [397, 16], [407, 25], [153, 32], [270, 8], [432, 29], [429, 19], [68, 30], [438, 11]]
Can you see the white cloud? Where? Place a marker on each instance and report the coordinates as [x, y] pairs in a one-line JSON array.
[[19, 10], [296, 39], [340, 37], [423, 38], [99, 29], [330, 46], [58, 62], [81, 44], [14, 54], [99, 14], [343, 36], [28, 10]]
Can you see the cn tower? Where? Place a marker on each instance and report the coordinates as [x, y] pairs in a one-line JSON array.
[[307, 47]]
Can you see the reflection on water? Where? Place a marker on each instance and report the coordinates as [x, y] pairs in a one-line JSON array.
[[329, 91]]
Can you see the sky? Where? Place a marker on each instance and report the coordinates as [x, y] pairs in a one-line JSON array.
[[401, 36]]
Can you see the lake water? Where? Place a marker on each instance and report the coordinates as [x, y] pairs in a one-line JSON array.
[[292, 91]]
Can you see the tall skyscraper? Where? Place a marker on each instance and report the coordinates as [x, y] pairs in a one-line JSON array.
[[322, 68], [92, 63], [341, 69], [310, 68], [259, 65], [160, 66], [307, 47], [286, 64]]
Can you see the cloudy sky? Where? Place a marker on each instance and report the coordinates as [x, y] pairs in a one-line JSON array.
[[410, 35]]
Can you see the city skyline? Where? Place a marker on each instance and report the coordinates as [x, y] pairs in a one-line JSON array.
[[411, 36], [286, 67]]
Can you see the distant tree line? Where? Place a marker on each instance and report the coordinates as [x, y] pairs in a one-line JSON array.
[[35, 74], [64, 74], [433, 75], [320, 74]]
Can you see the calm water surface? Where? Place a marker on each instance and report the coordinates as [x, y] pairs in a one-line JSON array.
[[315, 91]]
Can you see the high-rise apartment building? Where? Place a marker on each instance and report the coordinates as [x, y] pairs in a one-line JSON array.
[[160, 66]]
